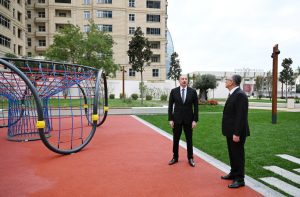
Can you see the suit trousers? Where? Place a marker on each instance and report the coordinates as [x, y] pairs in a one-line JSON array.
[[237, 157], [188, 131]]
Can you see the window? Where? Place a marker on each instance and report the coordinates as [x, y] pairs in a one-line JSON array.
[[29, 2], [86, 28], [42, 28], [62, 14], [20, 49], [5, 41], [14, 12], [155, 44], [131, 72], [29, 42], [29, 27], [20, 16], [4, 21], [155, 58], [153, 4], [155, 72], [103, 14], [5, 3], [14, 30], [153, 31], [131, 3], [42, 14], [41, 1], [42, 43], [86, 2], [86, 14], [29, 54], [153, 18], [131, 17], [104, 1], [62, 1], [105, 28], [131, 30], [20, 33], [19, 2], [28, 14]]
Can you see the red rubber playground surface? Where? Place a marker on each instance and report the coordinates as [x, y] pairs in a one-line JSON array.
[[125, 158]]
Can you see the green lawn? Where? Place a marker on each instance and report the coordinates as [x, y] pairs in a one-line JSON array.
[[263, 100], [265, 142]]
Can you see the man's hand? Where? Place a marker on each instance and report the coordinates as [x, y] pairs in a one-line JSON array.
[[236, 138], [171, 124], [194, 124]]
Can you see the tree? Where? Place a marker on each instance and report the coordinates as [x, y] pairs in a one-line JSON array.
[[175, 70], [139, 54], [286, 75], [203, 83], [258, 85], [97, 50], [269, 83], [67, 45], [10, 55], [93, 48]]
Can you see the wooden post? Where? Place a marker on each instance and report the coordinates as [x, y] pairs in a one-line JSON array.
[[123, 82], [274, 86]]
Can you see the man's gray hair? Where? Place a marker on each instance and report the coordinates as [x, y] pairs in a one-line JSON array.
[[236, 79]]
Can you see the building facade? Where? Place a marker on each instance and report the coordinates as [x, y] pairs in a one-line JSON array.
[[12, 27], [119, 18]]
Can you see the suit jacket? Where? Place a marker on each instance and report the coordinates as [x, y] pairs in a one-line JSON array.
[[235, 115], [186, 112]]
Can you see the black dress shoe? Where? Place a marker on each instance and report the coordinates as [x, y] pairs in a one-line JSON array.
[[191, 162], [227, 177], [173, 161], [237, 184]]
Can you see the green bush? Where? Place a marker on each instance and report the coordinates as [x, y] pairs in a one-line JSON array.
[[148, 97], [111, 96], [134, 96], [128, 100], [163, 97]]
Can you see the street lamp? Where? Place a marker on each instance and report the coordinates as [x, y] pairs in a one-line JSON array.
[[122, 68]]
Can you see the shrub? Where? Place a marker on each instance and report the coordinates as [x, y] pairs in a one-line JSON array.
[[148, 97], [128, 100], [134, 96], [112, 96], [212, 102], [163, 97]]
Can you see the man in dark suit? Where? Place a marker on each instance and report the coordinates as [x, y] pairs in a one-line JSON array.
[[183, 113], [235, 127]]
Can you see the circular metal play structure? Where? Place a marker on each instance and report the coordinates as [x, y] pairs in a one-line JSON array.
[[61, 104]]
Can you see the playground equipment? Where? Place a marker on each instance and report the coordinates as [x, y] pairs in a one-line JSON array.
[[61, 104]]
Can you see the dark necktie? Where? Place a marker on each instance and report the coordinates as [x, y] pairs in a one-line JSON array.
[[182, 95], [228, 95]]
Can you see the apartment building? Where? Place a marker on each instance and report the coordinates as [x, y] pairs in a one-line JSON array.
[[119, 18], [12, 27]]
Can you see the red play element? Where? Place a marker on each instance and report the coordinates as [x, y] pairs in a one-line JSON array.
[[125, 158]]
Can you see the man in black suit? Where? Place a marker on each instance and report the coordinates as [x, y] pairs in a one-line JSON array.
[[235, 127], [183, 113]]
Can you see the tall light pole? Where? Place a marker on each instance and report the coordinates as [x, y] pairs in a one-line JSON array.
[[274, 85], [123, 81]]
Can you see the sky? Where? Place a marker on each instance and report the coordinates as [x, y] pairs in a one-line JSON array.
[[224, 35]]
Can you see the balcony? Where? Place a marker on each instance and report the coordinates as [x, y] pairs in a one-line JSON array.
[[41, 33], [40, 19], [39, 5], [40, 48]]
